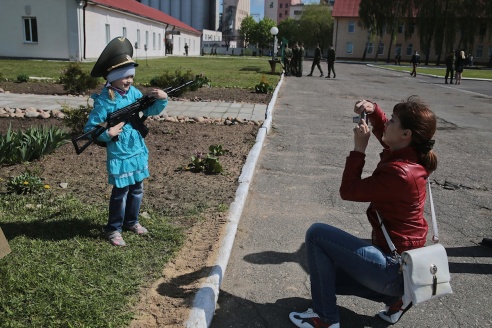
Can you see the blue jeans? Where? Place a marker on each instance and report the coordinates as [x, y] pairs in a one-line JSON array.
[[342, 264], [124, 206]]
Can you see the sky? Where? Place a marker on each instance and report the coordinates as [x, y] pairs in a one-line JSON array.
[[257, 6]]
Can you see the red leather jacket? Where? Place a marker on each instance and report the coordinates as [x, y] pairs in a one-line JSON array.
[[396, 189]]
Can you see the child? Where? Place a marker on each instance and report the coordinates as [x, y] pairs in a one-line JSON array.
[[127, 157]]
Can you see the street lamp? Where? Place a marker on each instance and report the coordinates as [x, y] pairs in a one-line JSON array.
[[274, 32]]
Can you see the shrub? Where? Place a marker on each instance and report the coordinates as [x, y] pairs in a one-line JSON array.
[[169, 81], [75, 80], [22, 78], [263, 86], [76, 118], [32, 144], [208, 163], [26, 183]]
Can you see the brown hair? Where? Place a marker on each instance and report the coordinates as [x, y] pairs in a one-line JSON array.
[[417, 117]]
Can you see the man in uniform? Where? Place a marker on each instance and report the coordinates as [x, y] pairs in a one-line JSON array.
[[316, 61], [295, 59], [331, 62], [415, 61], [287, 59], [302, 53], [449, 67]]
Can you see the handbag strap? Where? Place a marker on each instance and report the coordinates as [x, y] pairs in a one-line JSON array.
[[435, 237]]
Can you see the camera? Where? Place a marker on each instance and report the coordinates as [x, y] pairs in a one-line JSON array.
[[362, 116]]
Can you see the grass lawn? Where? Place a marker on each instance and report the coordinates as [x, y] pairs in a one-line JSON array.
[[480, 73], [228, 72]]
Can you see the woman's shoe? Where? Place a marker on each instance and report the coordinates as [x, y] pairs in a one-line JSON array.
[[310, 319], [394, 312]]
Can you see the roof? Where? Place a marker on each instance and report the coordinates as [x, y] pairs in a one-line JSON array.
[[136, 8], [346, 8]]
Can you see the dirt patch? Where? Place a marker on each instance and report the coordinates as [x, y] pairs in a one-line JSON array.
[[171, 191]]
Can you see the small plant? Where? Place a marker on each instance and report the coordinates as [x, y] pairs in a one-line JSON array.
[[208, 163], [263, 86], [169, 80], [75, 80], [26, 183], [22, 78], [76, 118], [29, 145]]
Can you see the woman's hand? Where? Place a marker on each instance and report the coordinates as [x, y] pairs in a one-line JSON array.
[[158, 94], [364, 105], [361, 136], [116, 130]]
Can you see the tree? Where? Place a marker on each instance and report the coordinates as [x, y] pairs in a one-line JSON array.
[[262, 36], [289, 29], [247, 29], [316, 25]]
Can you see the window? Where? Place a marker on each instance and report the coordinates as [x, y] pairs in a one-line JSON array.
[[280, 5], [400, 28], [286, 13], [124, 32], [153, 41], [370, 48], [138, 40], [381, 49], [280, 15], [286, 5], [350, 48], [146, 40], [479, 52], [351, 27], [410, 49], [160, 39], [30, 29], [108, 33], [271, 4]]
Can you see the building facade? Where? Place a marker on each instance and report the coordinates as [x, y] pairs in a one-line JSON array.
[[85, 27], [278, 10], [350, 39]]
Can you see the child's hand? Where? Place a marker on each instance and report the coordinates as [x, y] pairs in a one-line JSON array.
[[158, 94], [116, 130]]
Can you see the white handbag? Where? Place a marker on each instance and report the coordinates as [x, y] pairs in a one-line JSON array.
[[425, 270]]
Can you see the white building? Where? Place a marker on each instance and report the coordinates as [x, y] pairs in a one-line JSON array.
[[80, 29]]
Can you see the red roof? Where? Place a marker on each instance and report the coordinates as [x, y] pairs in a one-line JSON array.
[[135, 7], [346, 8]]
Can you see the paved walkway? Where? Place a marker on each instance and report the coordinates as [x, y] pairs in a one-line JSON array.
[[212, 109]]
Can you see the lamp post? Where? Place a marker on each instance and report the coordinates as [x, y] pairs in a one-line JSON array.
[[274, 32]]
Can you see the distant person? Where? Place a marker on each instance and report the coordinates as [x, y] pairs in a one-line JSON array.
[[449, 67], [331, 62], [459, 65], [287, 59], [470, 60], [302, 53], [295, 58], [397, 59], [415, 60], [186, 49], [127, 154], [316, 61], [344, 264]]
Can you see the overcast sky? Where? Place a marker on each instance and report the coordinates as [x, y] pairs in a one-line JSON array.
[[257, 6]]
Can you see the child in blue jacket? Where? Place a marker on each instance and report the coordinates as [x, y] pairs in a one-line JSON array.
[[127, 157]]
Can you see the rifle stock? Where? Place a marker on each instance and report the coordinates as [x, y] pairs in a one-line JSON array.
[[130, 113]]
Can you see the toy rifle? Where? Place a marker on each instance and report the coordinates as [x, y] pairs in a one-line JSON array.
[[130, 113]]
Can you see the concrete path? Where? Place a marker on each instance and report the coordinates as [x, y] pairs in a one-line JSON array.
[[296, 184], [212, 109]]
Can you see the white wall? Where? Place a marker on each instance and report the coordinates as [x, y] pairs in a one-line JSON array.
[[53, 38]]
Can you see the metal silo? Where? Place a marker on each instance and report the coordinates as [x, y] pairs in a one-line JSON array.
[[176, 9], [199, 14], [186, 11], [154, 4], [166, 6], [145, 2]]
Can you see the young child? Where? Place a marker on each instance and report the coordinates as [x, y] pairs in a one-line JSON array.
[[127, 158]]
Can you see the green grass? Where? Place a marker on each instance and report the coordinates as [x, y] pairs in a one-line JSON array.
[[61, 273], [228, 72], [481, 73]]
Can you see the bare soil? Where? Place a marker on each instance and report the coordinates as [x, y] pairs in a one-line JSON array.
[[169, 190]]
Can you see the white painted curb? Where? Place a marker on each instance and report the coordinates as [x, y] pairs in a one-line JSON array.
[[205, 301]]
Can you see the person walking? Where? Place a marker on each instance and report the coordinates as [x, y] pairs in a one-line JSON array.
[[331, 62], [186, 49], [316, 61], [415, 60], [343, 264], [459, 65], [449, 67], [127, 154], [295, 59]]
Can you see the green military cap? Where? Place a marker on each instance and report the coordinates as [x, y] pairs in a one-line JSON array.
[[118, 53]]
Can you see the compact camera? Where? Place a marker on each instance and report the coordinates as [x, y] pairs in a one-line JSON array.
[[362, 116]]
